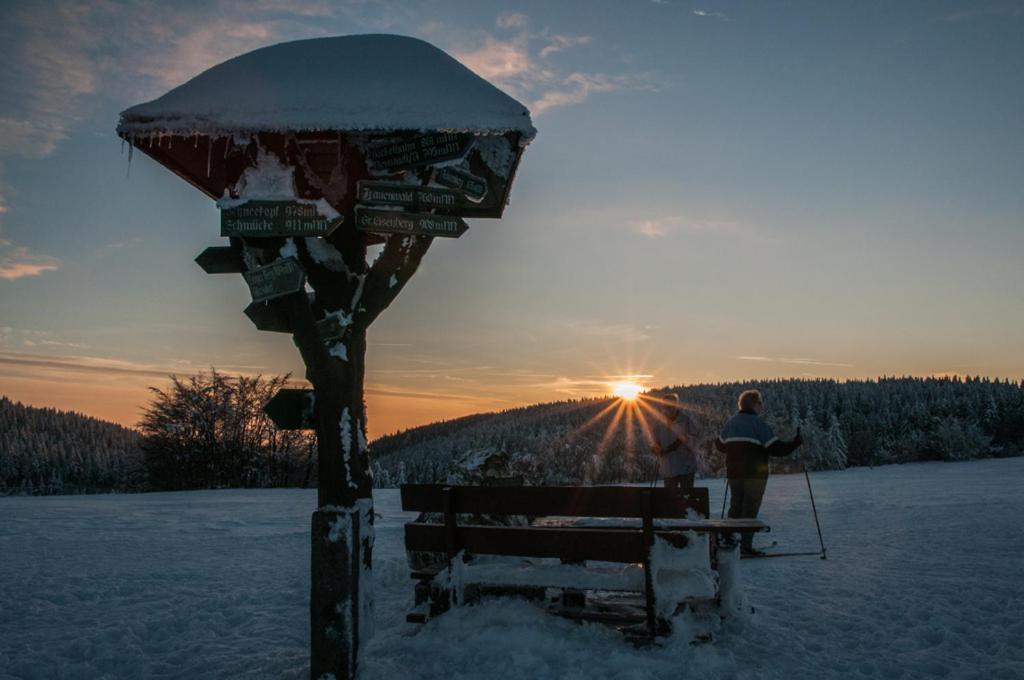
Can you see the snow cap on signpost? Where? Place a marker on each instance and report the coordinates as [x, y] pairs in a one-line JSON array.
[[416, 116]]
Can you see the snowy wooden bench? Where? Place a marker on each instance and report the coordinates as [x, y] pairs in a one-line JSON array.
[[609, 524]]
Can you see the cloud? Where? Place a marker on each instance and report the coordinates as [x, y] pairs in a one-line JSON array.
[[521, 65], [709, 15], [661, 227], [801, 362], [595, 328], [562, 42], [118, 246], [83, 364], [502, 61], [16, 338], [61, 55], [511, 20], [17, 262]]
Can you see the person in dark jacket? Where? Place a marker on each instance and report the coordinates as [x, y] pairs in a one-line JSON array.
[[675, 445], [748, 443]]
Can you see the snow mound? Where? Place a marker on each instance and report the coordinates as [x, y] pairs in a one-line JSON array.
[[355, 82]]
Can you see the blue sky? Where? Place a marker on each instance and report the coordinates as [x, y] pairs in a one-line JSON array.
[[718, 190]]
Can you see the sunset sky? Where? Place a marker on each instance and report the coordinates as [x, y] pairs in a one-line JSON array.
[[718, 191]]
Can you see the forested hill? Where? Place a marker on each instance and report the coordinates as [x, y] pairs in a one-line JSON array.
[[45, 451], [891, 420]]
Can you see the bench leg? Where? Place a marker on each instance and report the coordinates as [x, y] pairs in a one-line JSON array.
[[730, 588]]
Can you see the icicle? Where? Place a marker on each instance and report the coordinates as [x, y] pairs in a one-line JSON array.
[[122, 146], [131, 147], [195, 144], [228, 143], [170, 141], [209, 154]]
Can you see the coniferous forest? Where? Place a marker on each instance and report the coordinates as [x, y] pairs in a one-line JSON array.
[[844, 424], [44, 451], [208, 431]]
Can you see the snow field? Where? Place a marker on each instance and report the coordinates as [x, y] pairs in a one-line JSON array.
[[923, 580]]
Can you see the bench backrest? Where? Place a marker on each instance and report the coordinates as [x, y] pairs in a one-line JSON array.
[[558, 501], [572, 544]]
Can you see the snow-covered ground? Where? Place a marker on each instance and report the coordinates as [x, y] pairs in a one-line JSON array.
[[925, 579]]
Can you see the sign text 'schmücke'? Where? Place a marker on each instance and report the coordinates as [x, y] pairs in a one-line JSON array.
[[275, 218]]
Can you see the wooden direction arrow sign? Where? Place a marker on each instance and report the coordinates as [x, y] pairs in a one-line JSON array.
[[292, 409], [268, 316], [467, 182], [276, 218], [408, 196], [277, 279], [422, 150], [421, 224], [220, 260]]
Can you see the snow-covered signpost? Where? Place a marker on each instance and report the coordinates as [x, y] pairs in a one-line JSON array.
[[315, 150]]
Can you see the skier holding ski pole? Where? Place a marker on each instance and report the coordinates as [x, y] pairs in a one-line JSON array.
[[748, 443]]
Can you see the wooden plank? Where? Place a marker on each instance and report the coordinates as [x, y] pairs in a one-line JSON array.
[[221, 260], [568, 501], [381, 221], [292, 409], [613, 545], [276, 218], [424, 149], [412, 196], [663, 524], [277, 279], [451, 543]]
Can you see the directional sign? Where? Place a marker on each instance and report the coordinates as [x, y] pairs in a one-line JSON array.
[[268, 316], [422, 150], [468, 183], [276, 218], [220, 260], [408, 196], [421, 224], [292, 409], [277, 279]]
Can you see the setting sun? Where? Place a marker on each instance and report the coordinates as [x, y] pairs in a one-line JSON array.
[[627, 390]]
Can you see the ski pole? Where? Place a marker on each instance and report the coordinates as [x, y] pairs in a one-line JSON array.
[[814, 508], [725, 496]]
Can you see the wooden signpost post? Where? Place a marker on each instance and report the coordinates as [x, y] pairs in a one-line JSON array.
[[368, 180]]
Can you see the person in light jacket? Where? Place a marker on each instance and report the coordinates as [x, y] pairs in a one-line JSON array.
[[748, 443], [675, 445]]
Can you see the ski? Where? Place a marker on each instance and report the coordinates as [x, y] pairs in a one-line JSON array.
[[784, 554]]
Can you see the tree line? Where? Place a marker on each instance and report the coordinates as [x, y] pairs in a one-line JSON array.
[[854, 423], [209, 431]]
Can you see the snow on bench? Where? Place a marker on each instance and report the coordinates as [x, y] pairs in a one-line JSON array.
[[671, 553]]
